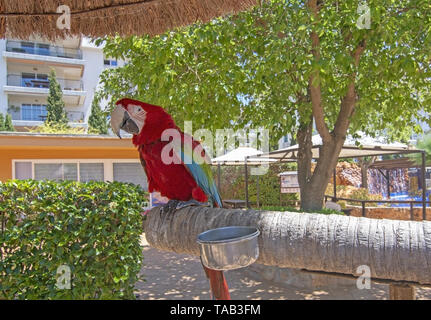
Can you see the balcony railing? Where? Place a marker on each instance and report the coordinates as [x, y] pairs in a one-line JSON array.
[[38, 113], [65, 84], [43, 49], [75, 116]]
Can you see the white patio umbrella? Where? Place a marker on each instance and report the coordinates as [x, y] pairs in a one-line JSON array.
[[241, 156]]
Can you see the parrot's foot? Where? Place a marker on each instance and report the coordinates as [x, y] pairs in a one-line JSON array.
[[169, 207], [183, 204]]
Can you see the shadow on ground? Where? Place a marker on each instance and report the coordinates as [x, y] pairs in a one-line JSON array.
[[173, 276]]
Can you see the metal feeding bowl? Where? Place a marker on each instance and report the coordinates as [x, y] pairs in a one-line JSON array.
[[229, 247]]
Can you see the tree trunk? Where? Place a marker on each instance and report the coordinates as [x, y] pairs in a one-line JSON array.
[[364, 175], [392, 249], [365, 163], [313, 185]]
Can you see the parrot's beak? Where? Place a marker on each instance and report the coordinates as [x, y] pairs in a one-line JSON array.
[[120, 120]]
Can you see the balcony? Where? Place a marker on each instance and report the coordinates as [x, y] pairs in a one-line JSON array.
[[42, 49], [75, 116], [34, 115], [19, 85], [17, 80], [31, 53]]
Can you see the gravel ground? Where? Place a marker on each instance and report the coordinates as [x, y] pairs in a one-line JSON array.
[[171, 276]]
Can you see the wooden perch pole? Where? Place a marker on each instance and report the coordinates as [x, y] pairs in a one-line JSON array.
[[394, 250]]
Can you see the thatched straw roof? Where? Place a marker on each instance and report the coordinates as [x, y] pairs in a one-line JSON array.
[[96, 18]]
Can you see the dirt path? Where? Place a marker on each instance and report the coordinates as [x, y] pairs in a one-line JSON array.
[[179, 276]]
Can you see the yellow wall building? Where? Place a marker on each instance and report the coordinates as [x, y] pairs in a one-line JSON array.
[[69, 157]]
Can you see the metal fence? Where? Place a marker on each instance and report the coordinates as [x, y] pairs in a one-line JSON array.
[[43, 49], [363, 203], [43, 82]]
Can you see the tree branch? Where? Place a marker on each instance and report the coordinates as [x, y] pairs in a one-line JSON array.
[[349, 101], [306, 241], [315, 90]]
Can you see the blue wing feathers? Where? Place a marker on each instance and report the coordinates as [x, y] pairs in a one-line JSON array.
[[203, 181]]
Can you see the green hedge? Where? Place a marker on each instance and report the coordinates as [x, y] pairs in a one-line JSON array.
[[91, 228], [233, 184]]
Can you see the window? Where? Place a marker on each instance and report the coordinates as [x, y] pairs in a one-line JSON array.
[[91, 172], [27, 79], [33, 48], [60, 171], [33, 112], [23, 170], [42, 76], [33, 80], [43, 49], [131, 173], [55, 171], [83, 170], [28, 47], [110, 63]]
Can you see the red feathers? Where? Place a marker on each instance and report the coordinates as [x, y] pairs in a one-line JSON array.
[[171, 180], [199, 195]]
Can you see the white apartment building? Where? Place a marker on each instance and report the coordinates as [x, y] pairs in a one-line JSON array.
[[24, 69]]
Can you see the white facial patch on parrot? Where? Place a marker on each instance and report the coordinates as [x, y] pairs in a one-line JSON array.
[[138, 114], [117, 118]]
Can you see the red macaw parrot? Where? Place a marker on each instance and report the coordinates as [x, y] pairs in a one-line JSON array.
[[182, 174]]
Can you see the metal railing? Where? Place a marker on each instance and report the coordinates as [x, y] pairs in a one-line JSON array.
[[363, 203], [65, 84], [75, 116], [17, 114], [42, 49]]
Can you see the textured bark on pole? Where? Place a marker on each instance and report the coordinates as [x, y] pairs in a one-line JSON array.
[[393, 249]]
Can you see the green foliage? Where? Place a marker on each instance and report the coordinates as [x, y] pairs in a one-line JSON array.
[[55, 107], [424, 144], [350, 192], [364, 194], [93, 228], [254, 68], [291, 209], [233, 184], [6, 123], [2, 127], [8, 126], [97, 121], [57, 128], [343, 204]]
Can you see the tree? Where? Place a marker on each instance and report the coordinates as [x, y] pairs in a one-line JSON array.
[[2, 127], [55, 107], [423, 144], [330, 243], [97, 120], [290, 66], [8, 126], [365, 163]]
